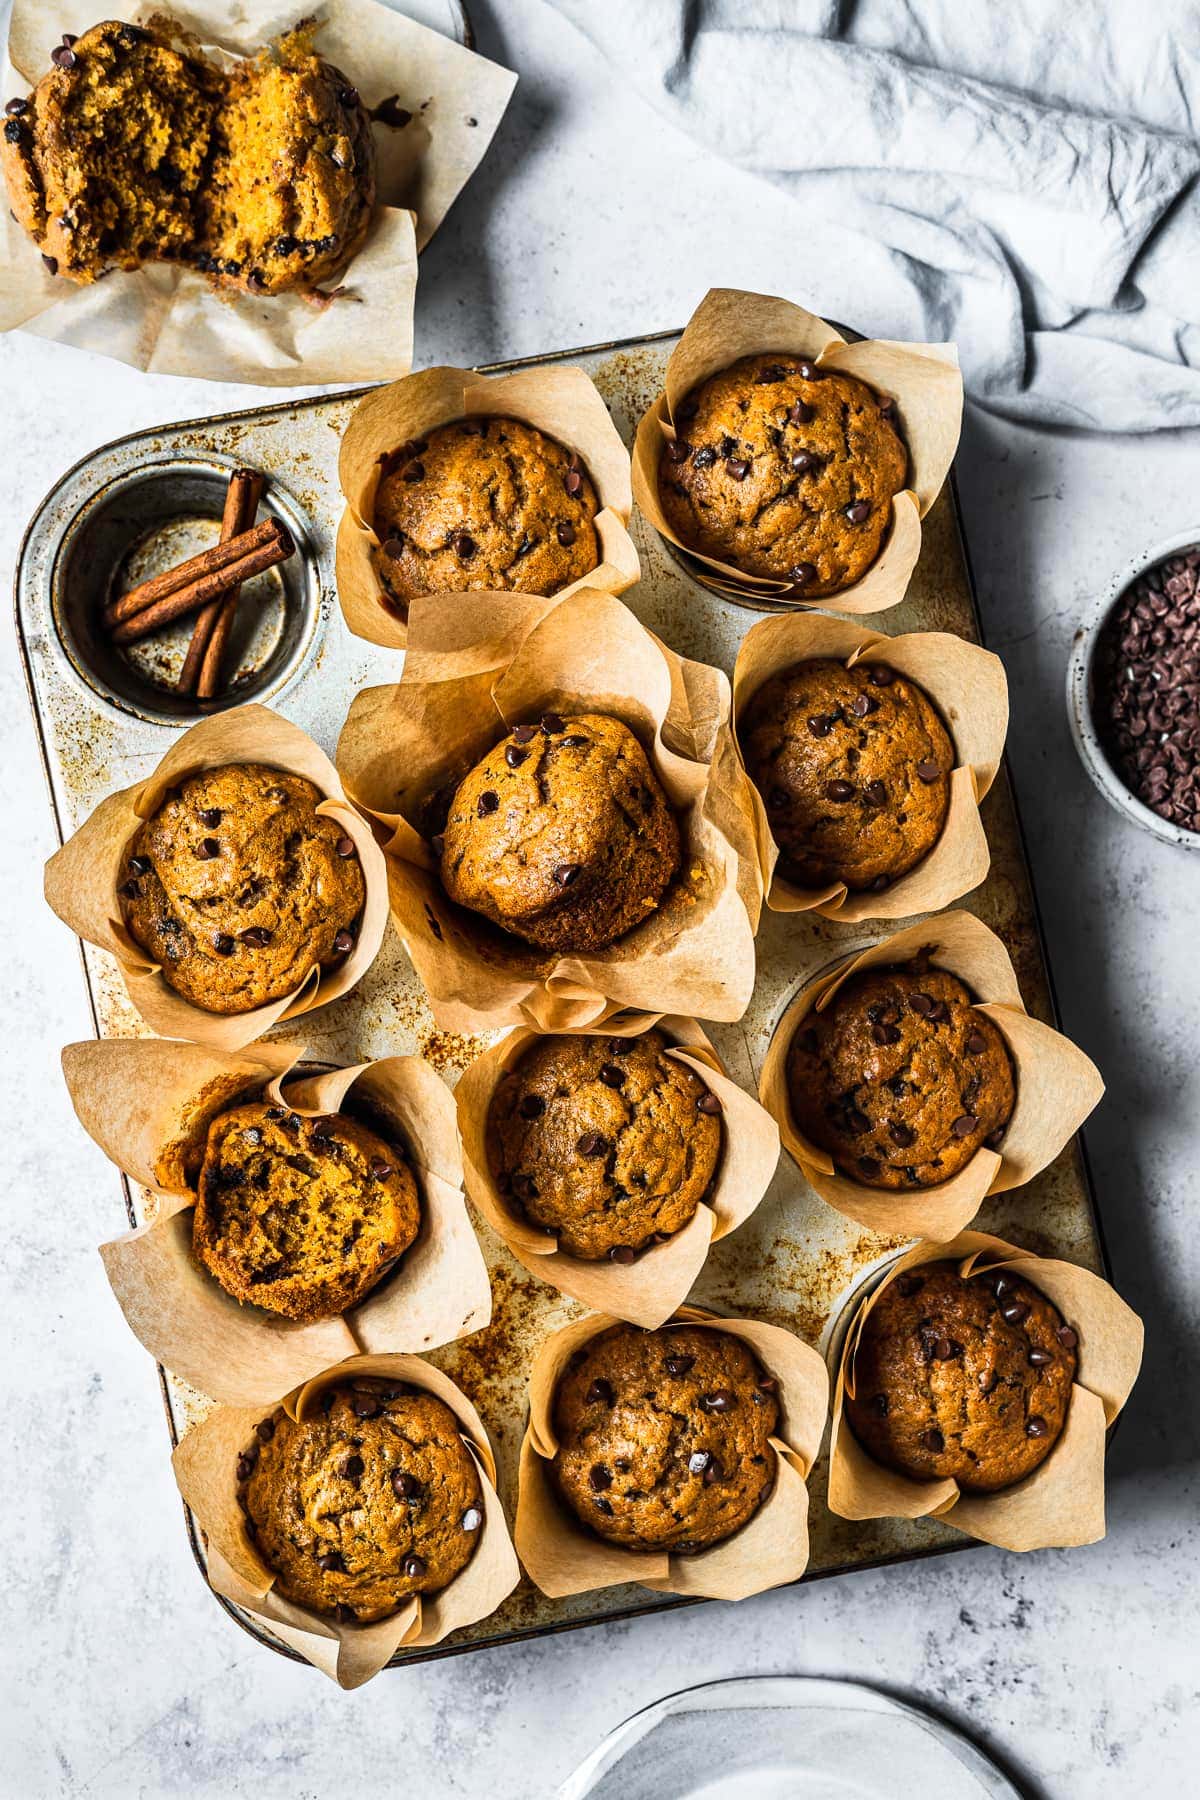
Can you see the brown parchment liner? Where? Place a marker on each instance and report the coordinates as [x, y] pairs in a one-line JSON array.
[[561, 402], [1057, 1085], [1062, 1503], [922, 379], [205, 1465], [81, 879], [969, 689], [469, 673], [149, 1104], [562, 1557], [170, 319], [648, 1291]]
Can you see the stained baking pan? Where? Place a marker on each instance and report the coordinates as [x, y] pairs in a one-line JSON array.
[[795, 1260]]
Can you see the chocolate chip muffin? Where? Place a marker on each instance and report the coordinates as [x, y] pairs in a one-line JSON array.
[[962, 1380], [562, 835], [900, 1078], [854, 769], [239, 888], [373, 1499], [261, 176], [607, 1142], [786, 470], [484, 503], [301, 1216], [663, 1436]]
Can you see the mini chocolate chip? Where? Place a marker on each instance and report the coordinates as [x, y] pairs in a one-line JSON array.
[[394, 544], [901, 1135], [858, 512], [592, 1144], [1066, 1337], [531, 1106], [353, 1467], [705, 457], [1036, 1427], [612, 1076], [599, 1478], [380, 1169], [885, 1034], [839, 790], [603, 1505], [808, 371], [331, 1562], [1015, 1312], [678, 1365], [565, 533], [63, 57], [552, 723], [820, 725], [472, 1519], [16, 107], [1038, 1359], [976, 1043], [223, 945], [803, 574], [343, 943], [868, 1167], [406, 1486], [414, 1567], [707, 1102], [964, 1125], [345, 846], [737, 468], [567, 873], [488, 802], [862, 704], [365, 1406], [934, 1441], [875, 794], [922, 1004], [879, 675], [256, 935], [600, 1391], [573, 482], [801, 413], [721, 1401], [678, 450], [908, 1285], [622, 1253], [464, 545], [207, 848], [928, 771]]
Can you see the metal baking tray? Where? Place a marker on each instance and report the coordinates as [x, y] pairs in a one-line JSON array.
[[795, 1261]]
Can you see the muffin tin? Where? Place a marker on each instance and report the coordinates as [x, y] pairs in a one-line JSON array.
[[794, 1262]]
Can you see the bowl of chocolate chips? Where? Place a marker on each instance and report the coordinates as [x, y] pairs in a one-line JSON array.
[[1133, 692]]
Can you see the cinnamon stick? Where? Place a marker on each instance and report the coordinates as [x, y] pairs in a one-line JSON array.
[[212, 561], [241, 503], [276, 548]]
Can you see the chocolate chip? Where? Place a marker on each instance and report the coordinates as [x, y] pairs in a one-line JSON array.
[[345, 1615], [365, 1405], [737, 468], [464, 545], [406, 1486], [599, 1478], [343, 943], [678, 450], [63, 57], [857, 1121], [862, 704], [1038, 1359], [1036, 1427], [976, 1043], [603, 1505], [858, 512], [1015, 1313], [879, 675], [573, 482], [223, 944], [352, 1468], [622, 1253], [880, 882], [415, 1566], [928, 771], [722, 1400], [380, 1169], [15, 107], [393, 545], [964, 1125], [707, 1102], [839, 790], [886, 1034], [141, 865], [256, 935], [714, 1472], [592, 1144], [803, 574], [901, 1135], [808, 371], [472, 1519], [531, 1106], [705, 457], [612, 1076], [565, 533], [130, 889], [488, 802], [348, 96], [820, 725], [552, 723], [908, 1285], [14, 131], [678, 1365], [51, 263], [390, 112], [437, 844], [868, 1167], [875, 794], [331, 1562], [524, 1187], [933, 1441], [994, 1139], [922, 1004], [944, 1350], [567, 873], [600, 1392], [247, 1462], [207, 848], [1066, 1337], [801, 413]]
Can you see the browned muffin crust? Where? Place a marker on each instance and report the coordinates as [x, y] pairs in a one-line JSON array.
[[607, 1142], [785, 470], [374, 1498], [239, 888], [562, 835], [663, 1436], [484, 503], [853, 766], [962, 1380], [261, 176], [301, 1216], [900, 1078]]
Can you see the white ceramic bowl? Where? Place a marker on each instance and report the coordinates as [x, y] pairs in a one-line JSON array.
[[1080, 697]]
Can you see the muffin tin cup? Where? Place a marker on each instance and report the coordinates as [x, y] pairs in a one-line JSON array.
[[81, 879], [968, 688], [468, 677], [560, 402], [562, 1557], [205, 1465], [1056, 1084], [923, 381], [149, 1104], [1062, 1503], [648, 1291]]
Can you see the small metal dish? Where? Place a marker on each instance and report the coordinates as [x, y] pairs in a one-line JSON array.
[[1081, 696]]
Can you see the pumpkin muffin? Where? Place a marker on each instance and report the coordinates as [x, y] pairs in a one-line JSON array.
[[239, 888], [664, 1436], [128, 151], [786, 470], [853, 766], [484, 503], [301, 1216], [562, 835], [966, 1380], [610, 1143], [374, 1498], [901, 1079]]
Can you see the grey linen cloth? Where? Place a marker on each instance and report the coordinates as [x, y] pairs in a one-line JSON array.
[[1019, 175]]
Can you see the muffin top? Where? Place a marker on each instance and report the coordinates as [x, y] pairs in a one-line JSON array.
[[664, 1436], [484, 503], [562, 835], [854, 769], [900, 1078], [785, 470], [372, 1499], [261, 176], [606, 1141], [239, 888], [301, 1216], [962, 1380]]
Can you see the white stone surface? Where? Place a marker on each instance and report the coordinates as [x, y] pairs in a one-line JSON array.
[[120, 1676]]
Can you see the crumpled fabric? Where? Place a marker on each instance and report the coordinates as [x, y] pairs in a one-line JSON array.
[[1018, 175]]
